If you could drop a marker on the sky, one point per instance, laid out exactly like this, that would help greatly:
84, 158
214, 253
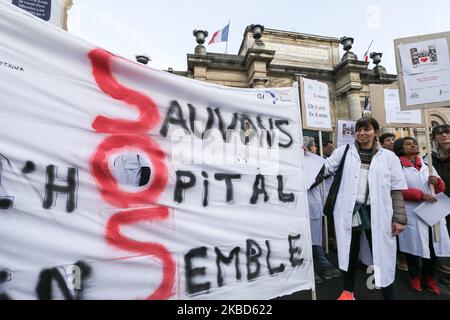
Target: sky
163, 29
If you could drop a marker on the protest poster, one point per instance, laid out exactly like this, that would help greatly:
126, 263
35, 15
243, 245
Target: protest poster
346, 132
119, 181
315, 105
386, 108
315, 102
423, 67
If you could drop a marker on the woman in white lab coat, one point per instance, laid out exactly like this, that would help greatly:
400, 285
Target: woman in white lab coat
418, 241
324, 268
370, 203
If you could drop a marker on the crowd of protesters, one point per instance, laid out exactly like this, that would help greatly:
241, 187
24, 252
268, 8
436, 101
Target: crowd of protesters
370, 190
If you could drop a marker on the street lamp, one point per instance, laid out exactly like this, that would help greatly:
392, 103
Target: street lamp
347, 43
143, 58
257, 30
200, 37
376, 57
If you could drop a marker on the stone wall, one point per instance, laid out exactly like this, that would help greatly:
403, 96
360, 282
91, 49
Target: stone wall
283, 57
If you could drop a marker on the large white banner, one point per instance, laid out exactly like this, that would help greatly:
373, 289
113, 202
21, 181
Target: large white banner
123, 182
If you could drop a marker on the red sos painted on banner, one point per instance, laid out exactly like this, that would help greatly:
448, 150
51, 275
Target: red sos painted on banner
125, 134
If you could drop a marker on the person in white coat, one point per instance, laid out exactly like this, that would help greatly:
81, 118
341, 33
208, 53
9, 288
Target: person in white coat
369, 202
131, 170
418, 241
325, 270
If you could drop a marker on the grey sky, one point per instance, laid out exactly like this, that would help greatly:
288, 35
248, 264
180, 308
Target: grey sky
163, 29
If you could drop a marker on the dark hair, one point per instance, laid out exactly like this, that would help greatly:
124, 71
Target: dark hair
327, 142
384, 136
367, 122
440, 128
398, 146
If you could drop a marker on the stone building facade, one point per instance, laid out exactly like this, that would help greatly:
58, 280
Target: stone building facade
280, 58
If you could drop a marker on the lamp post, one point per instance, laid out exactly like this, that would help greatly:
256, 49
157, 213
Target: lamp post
257, 30
376, 58
347, 44
143, 58
200, 37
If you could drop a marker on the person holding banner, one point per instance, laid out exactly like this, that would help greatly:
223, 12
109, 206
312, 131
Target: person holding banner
315, 203
441, 162
369, 205
417, 239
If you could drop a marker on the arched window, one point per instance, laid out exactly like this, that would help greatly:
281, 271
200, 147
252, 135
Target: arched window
434, 124
436, 120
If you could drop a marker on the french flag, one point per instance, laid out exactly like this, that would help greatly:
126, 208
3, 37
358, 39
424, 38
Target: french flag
366, 57
220, 36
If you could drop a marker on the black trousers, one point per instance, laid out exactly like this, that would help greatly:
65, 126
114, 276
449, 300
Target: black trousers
448, 223
389, 293
427, 269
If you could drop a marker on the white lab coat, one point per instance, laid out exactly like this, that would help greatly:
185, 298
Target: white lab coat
327, 185
414, 239
385, 174
128, 169
315, 203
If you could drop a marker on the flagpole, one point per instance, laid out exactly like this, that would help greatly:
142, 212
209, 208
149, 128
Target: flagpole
370, 46
226, 47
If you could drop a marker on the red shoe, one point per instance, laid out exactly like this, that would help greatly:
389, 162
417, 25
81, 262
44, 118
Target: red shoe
414, 283
432, 285
347, 296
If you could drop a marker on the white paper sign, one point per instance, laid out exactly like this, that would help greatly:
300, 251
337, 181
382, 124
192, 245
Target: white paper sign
313, 165
427, 87
317, 104
433, 213
426, 56
394, 114
203, 225
346, 132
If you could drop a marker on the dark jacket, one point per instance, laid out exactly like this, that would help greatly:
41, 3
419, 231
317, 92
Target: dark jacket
442, 167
